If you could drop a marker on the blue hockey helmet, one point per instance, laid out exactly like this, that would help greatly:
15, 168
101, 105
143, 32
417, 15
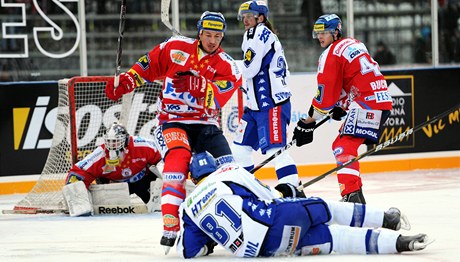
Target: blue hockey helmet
255, 7
214, 21
327, 23
202, 165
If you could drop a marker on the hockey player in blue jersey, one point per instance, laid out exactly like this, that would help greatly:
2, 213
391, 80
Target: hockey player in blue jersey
230, 207
267, 111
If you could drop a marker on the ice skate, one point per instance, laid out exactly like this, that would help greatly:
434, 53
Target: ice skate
412, 243
393, 219
354, 197
167, 240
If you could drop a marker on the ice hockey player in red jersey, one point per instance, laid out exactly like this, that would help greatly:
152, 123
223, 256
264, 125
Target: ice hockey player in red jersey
121, 158
199, 79
349, 84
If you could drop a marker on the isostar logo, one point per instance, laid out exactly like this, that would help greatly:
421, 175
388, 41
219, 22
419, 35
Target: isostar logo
29, 123
30, 134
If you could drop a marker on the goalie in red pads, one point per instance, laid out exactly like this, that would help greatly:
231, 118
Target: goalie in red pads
199, 79
122, 158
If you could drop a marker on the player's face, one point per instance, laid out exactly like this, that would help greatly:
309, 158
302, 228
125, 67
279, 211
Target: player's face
325, 38
249, 20
210, 40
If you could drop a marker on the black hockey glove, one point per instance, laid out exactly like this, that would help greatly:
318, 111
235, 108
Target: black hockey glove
338, 113
289, 190
210, 245
303, 133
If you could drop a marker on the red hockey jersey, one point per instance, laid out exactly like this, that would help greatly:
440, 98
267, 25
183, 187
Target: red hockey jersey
349, 77
139, 155
183, 54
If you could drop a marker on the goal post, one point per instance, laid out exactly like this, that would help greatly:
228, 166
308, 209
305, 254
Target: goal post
83, 114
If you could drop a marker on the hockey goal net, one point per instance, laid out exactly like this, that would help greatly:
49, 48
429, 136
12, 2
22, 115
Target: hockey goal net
83, 114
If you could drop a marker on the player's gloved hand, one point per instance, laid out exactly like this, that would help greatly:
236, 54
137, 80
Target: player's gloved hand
190, 82
289, 190
210, 245
126, 84
338, 113
303, 133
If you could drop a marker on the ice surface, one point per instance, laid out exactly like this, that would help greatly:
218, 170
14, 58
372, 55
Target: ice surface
430, 199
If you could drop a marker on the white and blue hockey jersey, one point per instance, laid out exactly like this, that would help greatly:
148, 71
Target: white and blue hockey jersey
221, 208
265, 69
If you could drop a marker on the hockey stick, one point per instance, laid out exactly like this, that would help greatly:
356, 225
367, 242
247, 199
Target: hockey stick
127, 98
380, 147
121, 30
286, 147
34, 211
165, 4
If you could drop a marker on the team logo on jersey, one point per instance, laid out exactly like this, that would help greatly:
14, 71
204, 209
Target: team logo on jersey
126, 172
144, 62
179, 57
248, 57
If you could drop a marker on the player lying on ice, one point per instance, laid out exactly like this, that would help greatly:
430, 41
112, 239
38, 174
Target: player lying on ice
230, 207
126, 164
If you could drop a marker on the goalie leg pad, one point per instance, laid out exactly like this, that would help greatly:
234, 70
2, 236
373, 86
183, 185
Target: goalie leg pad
110, 194
78, 199
154, 203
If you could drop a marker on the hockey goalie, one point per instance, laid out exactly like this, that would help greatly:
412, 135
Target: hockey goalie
124, 167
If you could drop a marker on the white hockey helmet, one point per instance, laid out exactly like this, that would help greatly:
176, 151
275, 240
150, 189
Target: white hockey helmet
116, 138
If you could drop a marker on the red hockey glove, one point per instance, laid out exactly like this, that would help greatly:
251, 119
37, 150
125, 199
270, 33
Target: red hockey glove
303, 133
126, 84
189, 82
338, 113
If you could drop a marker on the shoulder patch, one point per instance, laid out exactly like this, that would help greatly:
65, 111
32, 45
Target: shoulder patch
248, 57
144, 62
319, 94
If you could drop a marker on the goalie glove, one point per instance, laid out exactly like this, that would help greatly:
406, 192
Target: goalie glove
337, 113
191, 82
303, 132
126, 84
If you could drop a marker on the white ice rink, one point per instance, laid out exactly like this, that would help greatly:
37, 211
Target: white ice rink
430, 199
